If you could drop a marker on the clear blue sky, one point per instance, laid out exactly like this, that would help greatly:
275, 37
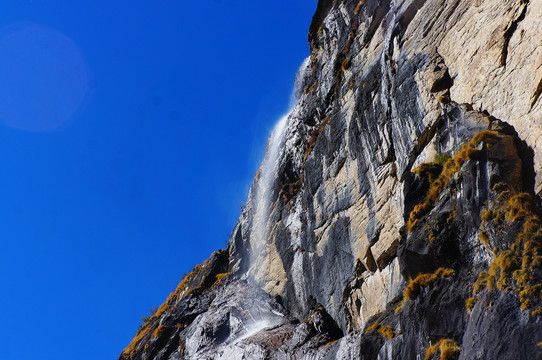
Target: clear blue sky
129, 135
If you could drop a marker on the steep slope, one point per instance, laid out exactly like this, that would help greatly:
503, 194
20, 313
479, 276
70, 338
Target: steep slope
396, 214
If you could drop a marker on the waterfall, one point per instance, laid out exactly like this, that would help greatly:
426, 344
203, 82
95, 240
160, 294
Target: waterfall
264, 194
268, 174
269, 171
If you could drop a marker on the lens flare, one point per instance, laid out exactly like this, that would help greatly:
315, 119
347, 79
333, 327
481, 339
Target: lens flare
43, 78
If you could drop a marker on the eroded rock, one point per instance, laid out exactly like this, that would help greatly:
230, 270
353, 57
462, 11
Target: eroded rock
415, 120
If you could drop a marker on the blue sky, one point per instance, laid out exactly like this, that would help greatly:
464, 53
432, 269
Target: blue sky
129, 135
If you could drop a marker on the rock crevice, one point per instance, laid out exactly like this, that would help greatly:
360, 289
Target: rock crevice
403, 221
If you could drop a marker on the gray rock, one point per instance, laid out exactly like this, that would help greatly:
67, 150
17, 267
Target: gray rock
354, 212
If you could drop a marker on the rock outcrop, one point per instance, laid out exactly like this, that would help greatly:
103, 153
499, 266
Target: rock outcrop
402, 216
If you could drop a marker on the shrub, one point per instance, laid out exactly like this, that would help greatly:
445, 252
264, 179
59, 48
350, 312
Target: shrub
487, 215
447, 348
469, 304
385, 331
430, 170
220, 277
449, 168
183, 289
483, 237
415, 286
441, 159
518, 268
158, 331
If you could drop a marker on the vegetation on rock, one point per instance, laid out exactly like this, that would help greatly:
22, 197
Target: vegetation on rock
385, 331
518, 268
447, 349
422, 281
450, 167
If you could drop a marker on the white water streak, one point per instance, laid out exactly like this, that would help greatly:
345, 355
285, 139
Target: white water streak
269, 171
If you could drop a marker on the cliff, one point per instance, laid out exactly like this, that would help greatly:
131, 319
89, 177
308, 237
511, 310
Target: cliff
397, 212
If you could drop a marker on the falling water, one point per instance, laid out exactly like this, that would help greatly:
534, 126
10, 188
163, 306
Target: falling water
264, 195
269, 171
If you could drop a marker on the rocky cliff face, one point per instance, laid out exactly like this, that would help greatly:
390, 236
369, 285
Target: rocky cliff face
397, 213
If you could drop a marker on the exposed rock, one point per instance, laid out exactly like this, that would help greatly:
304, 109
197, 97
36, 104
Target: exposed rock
403, 213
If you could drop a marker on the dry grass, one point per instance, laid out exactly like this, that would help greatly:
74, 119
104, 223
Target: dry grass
483, 237
447, 348
358, 7
430, 170
135, 343
449, 168
517, 269
415, 286
469, 304
158, 331
375, 326
422, 281
311, 89
182, 290
385, 331
220, 277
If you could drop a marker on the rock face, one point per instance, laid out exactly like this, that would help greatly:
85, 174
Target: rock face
402, 216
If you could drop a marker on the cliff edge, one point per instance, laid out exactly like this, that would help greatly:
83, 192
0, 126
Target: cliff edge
397, 212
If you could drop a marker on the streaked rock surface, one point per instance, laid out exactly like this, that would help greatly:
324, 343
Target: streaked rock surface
355, 212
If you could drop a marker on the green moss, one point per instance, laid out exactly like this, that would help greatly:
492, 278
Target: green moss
442, 158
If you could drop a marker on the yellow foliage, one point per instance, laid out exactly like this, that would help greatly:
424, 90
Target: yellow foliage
450, 167
375, 326
517, 268
158, 331
483, 238
386, 332
487, 215
358, 7
448, 350
430, 170
134, 344
431, 351
220, 277
469, 304
182, 290
422, 281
